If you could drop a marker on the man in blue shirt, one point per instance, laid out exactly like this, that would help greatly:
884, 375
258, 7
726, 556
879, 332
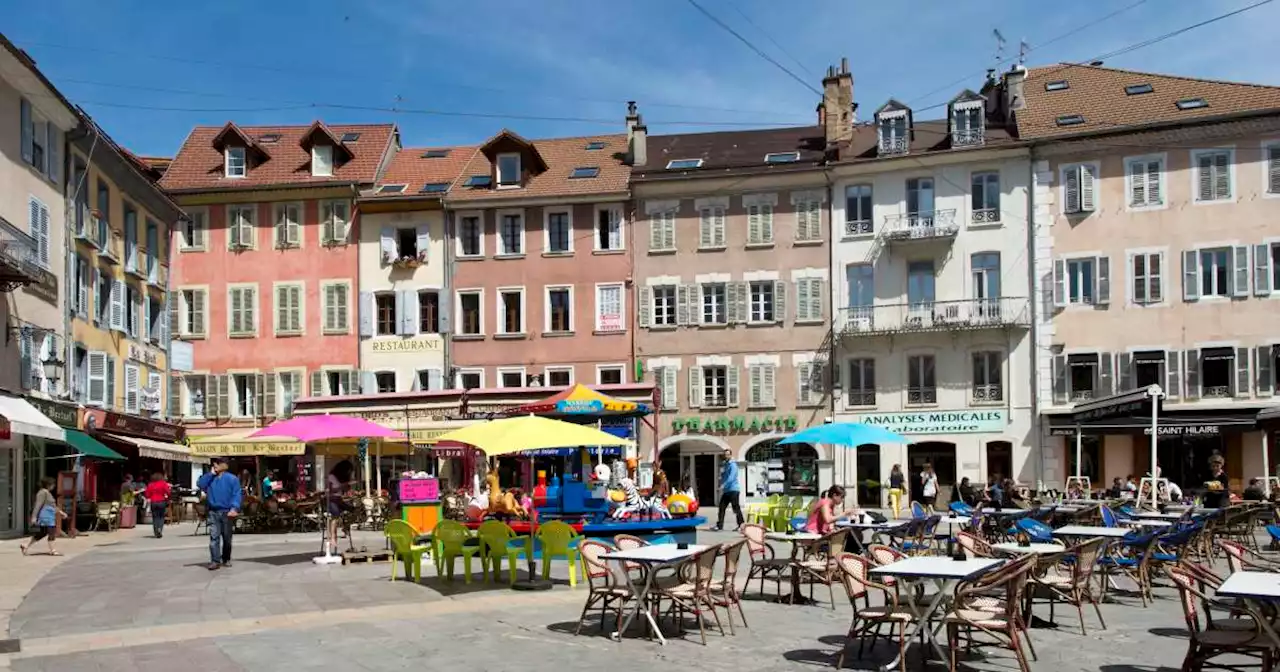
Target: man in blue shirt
222, 496
730, 490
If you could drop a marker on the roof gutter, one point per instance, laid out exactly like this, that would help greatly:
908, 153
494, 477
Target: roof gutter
1157, 126
267, 187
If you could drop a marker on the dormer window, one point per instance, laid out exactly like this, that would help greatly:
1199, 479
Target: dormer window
236, 166
893, 134
508, 170
967, 124
322, 161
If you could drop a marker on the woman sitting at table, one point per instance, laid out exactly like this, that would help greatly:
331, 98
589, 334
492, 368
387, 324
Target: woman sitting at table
964, 493
826, 511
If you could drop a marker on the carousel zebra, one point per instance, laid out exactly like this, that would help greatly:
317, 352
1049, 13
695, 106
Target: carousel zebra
634, 504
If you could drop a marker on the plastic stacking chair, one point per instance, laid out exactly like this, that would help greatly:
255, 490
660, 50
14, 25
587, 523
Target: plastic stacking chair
559, 540
452, 540
918, 511
498, 541
403, 548
759, 512
961, 509
1036, 530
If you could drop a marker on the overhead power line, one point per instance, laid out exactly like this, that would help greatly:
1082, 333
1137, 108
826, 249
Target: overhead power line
759, 52
768, 36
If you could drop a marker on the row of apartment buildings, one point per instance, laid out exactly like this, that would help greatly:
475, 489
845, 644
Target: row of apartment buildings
963, 279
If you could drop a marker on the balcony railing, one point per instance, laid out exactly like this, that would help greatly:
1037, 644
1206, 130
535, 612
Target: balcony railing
159, 276
938, 224
862, 398
1081, 395
986, 215
988, 393
1215, 391
19, 259
922, 395
891, 146
858, 227
112, 250
969, 137
964, 315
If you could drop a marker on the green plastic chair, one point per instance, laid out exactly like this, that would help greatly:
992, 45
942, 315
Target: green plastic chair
402, 536
499, 541
560, 540
760, 511
450, 539
780, 519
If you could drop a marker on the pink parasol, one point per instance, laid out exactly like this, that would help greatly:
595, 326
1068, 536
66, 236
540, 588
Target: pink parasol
310, 428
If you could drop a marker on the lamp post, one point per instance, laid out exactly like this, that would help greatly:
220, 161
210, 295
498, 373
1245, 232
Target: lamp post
52, 369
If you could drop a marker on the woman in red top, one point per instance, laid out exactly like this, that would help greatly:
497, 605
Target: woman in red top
826, 511
157, 495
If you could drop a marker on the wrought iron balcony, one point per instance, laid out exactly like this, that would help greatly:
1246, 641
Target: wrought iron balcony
858, 227
893, 146
1082, 395
969, 137
964, 315
986, 216
19, 259
159, 276
988, 393
920, 226
1215, 391
922, 395
861, 398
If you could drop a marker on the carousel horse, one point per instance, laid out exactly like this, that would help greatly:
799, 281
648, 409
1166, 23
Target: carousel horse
503, 503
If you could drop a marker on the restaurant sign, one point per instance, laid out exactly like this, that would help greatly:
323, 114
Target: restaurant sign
408, 345
133, 426
967, 421
64, 415
145, 355
736, 424
248, 448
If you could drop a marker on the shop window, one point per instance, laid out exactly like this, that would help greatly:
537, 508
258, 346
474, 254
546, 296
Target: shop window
385, 311
1218, 367
1083, 376
1090, 459
386, 381
774, 469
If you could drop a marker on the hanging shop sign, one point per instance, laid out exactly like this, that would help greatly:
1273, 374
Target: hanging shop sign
63, 415
133, 426
144, 355
735, 424
964, 421
408, 345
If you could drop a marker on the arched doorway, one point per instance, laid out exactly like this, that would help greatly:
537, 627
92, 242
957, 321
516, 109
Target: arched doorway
694, 462
1000, 461
789, 469
942, 456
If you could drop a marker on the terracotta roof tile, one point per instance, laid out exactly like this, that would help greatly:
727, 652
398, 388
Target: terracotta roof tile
1098, 94
198, 166
417, 166
561, 155
733, 149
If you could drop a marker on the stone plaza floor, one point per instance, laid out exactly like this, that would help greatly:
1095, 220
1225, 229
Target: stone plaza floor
123, 601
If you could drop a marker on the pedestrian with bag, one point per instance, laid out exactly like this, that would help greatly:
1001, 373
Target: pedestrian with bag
44, 517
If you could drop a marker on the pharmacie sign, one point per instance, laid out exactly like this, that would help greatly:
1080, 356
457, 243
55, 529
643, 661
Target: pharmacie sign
736, 424
938, 422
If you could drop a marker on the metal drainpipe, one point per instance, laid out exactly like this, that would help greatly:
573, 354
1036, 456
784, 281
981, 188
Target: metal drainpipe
446, 339
1038, 441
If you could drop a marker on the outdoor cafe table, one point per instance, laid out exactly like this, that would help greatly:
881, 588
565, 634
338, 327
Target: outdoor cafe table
1254, 587
1090, 531
1014, 548
1148, 522
651, 559
1156, 515
797, 540
945, 573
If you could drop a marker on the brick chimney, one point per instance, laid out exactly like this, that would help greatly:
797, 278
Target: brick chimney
637, 137
835, 112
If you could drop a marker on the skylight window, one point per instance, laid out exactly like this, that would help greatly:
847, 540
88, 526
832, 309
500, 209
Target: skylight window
435, 188
436, 154
595, 145
391, 188
1057, 85
269, 138
684, 164
1192, 103
1070, 120
583, 172
782, 157
350, 137
479, 181
1137, 89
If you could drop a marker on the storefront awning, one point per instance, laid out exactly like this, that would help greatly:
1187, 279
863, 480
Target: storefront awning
158, 450
1169, 424
23, 418
87, 446
240, 445
1269, 415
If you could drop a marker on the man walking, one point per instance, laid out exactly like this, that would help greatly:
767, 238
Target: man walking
730, 491
222, 491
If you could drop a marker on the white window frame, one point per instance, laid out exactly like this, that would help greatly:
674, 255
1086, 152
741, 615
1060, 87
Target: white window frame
1267, 145
703, 295
233, 223
773, 301
503, 370
548, 370
243, 155
501, 242
1129, 255
461, 371
1163, 182
479, 217
322, 165
251, 287
302, 308
1066, 280
324, 307
619, 211
546, 230
300, 372
187, 398
459, 320
498, 175
333, 204
662, 217
1194, 173
277, 242
197, 219
675, 305
185, 309
622, 305
1096, 169
233, 395
499, 307
716, 211
1003, 356
621, 367
1230, 288
546, 309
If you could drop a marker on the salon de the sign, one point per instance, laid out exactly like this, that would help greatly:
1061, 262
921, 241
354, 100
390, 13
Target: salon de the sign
938, 422
735, 424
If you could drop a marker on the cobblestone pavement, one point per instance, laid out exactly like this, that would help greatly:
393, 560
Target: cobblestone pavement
134, 604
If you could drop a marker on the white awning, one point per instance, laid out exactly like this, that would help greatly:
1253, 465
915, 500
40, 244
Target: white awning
160, 450
26, 419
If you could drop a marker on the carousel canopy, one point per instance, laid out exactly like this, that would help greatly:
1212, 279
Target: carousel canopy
581, 401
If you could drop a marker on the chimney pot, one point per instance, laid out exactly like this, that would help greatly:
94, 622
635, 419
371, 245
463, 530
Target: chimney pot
844, 65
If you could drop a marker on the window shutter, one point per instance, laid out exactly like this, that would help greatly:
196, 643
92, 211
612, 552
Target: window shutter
1193, 375
1087, 177
99, 299
717, 231
804, 383
1155, 277
26, 359
1154, 169
695, 387
1262, 270
657, 236
28, 132
366, 313
1240, 280
130, 388
669, 386
317, 384
817, 292
1138, 269
1138, 183
326, 223
82, 288
145, 327
342, 222
368, 383
738, 296
53, 150
282, 309
1060, 379
237, 310
1221, 175
1104, 280
755, 385
803, 302
768, 385
1105, 376
41, 233
445, 314
731, 378
97, 379
645, 306
248, 236
1265, 375
1072, 190
175, 409
682, 304
669, 231
754, 234
1273, 169
1242, 388
424, 243
435, 379
282, 225
409, 317
1173, 374
294, 230
390, 251
705, 225
1124, 372
270, 407
1204, 182
117, 305
224, 396
779, 300
1059, 283
1190, 276
815, 220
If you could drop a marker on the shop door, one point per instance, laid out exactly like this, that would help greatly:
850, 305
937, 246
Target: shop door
706, 472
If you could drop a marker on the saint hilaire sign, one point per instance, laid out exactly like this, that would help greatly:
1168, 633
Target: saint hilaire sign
735, 424
967, 421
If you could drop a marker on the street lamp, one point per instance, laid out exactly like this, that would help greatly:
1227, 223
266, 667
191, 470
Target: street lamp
52, 369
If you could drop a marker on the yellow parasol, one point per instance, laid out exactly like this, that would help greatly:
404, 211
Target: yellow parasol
529, 432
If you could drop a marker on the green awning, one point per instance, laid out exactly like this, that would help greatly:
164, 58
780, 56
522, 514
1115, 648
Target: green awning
91, 447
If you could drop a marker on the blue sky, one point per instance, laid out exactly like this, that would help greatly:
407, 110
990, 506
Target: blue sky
150, 71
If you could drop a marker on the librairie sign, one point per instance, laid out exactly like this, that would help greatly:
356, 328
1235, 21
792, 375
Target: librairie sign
964, 421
